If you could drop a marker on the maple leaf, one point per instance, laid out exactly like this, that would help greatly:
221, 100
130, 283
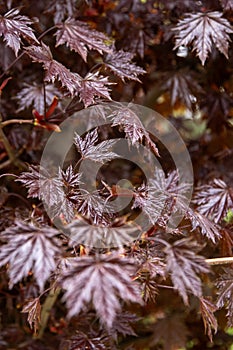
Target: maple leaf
70, 179
135, 132
65, 209
122, 324
93, 85
81, 38
14, 26
92, 206
60, 8
147, 276
120, 63
136, 39
33, 308
29, 248
225, 293
33, 95
42, 185
214, 200
207, 228
151, 263
207, 312
227, 5
182, 87
54, 69
216, 108
172, 331
93, 235
102, 279
160, 194
97, 153
184, 264
203, 29
86, 341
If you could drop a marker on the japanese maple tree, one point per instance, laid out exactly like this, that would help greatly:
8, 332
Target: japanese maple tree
72, 276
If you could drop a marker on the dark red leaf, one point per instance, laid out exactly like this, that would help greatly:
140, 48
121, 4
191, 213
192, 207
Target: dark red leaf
207, 313
120, 63
33, 308
29, 248
214, 200
103, 279
202, 30
184, 265
81, 38
14, 26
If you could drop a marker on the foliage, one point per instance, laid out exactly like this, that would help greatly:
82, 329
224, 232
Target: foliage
76, 274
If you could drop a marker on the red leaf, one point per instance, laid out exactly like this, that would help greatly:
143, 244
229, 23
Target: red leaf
42, 121
4, 84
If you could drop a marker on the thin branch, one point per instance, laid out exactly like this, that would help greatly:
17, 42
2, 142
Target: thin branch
10, 152
44, 97
12, 64
9, 149
220, 261
5, 164
23, 53
16, 121
46, 310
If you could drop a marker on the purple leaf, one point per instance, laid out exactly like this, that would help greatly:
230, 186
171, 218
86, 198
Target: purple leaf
33, 308
92, 86
202, 29
214, 200
14, 26
29, 248
135, 132
207, 313
97, 153
104, 280
54, 69
207, 228
225, 293
33, 95
120, 63
81, 38
227, 5
42, 185
60, 9
184, 265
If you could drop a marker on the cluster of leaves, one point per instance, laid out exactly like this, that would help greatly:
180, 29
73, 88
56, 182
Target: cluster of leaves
84, 275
